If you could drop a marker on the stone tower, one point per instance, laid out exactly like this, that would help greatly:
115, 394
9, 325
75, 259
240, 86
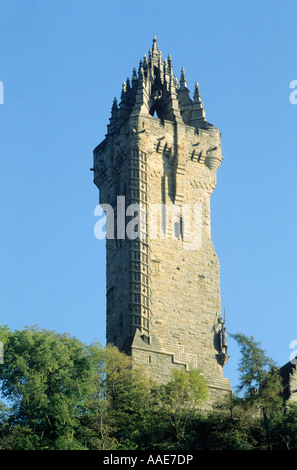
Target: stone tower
156, 170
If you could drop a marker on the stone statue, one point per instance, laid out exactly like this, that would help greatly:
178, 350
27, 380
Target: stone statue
223, 340
223, 336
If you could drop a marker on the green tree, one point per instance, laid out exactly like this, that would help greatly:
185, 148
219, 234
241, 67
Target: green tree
180, 400
45, 378
230, 425
283, 429
114, 412
128, 393
260, 380
97, 429
62, 394
67, 395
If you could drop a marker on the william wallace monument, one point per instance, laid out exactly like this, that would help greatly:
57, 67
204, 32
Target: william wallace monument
156, 170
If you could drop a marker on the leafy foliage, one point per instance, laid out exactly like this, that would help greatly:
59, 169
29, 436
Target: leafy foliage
260, 380
62, 394
179, 399
45, 377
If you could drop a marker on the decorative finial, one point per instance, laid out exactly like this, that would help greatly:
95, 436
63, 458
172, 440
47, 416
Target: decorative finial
155, 44
165, 66
183, 81
169, 64
128, 86
145, 63
134, 76
197, 97
114, 110
124, 89
114, 105
140, 66
141, 75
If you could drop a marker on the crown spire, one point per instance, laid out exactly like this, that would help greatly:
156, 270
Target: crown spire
153, 88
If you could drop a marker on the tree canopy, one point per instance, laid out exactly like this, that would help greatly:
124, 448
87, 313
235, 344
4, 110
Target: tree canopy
61, 394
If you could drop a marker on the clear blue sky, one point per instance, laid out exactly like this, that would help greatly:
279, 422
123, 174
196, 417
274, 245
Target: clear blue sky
62, 63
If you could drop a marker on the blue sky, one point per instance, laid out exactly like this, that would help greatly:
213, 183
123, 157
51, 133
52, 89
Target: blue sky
62, 63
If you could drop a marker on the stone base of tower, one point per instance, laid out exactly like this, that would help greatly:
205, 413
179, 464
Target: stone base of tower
218, 388
158, 362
